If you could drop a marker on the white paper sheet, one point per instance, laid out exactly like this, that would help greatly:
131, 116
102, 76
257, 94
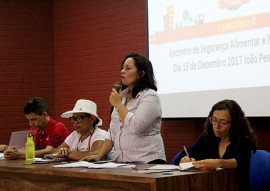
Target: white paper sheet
92, 165
185, 166
2, 156
163, 167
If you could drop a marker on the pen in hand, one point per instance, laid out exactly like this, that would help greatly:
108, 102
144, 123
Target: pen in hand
186, 151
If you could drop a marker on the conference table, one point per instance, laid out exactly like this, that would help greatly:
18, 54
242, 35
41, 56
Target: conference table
15, 175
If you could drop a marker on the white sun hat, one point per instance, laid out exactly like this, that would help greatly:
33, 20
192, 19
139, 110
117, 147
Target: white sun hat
83, 106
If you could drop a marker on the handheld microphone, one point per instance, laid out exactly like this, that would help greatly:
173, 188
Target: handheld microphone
117, 86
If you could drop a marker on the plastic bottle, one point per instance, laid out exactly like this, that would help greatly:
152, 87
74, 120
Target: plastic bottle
29, 149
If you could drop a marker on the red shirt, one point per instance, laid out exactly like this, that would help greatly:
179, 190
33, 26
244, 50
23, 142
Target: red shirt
54, 135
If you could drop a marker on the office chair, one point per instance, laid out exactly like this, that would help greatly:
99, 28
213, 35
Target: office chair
260, 171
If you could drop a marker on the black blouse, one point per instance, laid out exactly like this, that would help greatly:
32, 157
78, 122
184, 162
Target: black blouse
242, 153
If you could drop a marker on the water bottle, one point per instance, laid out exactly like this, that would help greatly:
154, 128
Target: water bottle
29, 149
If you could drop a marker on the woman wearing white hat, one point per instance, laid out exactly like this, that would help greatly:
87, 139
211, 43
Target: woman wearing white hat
87, 137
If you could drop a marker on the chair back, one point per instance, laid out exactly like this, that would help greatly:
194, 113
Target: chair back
260, 171
176, 157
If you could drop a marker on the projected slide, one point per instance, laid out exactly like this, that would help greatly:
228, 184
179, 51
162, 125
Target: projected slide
205, 45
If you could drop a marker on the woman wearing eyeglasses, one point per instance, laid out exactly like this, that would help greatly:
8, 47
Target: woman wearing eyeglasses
226, 142
87, 138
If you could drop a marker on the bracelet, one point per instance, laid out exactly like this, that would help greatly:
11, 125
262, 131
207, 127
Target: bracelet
119, 107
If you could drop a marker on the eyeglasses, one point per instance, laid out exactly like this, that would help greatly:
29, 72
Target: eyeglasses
77, 119
221, 123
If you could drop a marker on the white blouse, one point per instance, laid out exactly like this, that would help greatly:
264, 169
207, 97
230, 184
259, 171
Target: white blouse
74, 143
138, 139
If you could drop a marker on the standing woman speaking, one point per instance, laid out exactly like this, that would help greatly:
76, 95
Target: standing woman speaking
136, 119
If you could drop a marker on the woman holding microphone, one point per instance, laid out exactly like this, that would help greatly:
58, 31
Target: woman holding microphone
136, 119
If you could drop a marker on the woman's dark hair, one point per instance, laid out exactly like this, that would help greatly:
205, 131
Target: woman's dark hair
95, 122
36, 105
240, 126
147, 81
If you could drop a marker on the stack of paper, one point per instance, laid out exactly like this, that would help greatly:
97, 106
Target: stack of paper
163, 167
93, 165
182, 166
159, 169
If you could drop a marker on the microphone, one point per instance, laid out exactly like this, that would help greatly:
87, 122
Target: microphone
117, 86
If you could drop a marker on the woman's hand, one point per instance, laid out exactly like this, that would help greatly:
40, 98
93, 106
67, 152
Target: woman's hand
55, 157
115, 98
208, 164
186, 159
91, 158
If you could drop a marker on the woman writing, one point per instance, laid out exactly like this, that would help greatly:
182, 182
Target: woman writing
226, 142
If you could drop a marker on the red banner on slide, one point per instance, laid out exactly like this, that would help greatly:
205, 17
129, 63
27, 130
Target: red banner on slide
214, 28
231, 4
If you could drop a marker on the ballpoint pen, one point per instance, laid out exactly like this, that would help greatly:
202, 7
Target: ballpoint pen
186, 151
